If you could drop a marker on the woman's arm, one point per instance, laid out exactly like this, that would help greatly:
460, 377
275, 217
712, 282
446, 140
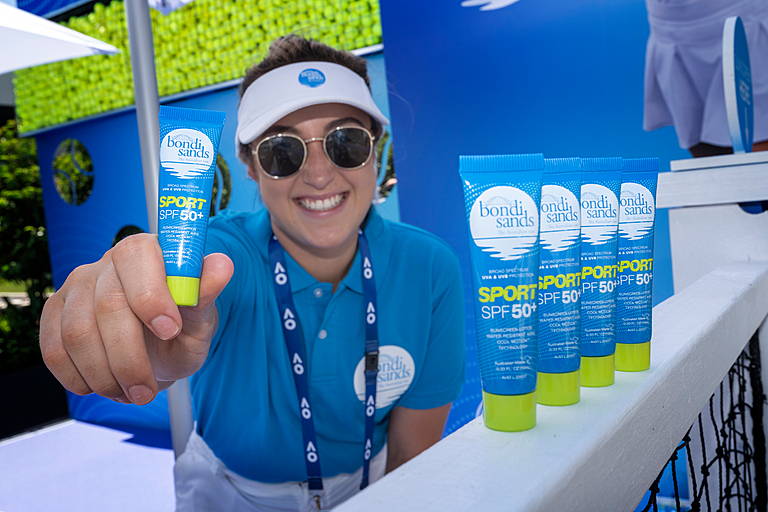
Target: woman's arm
411, 431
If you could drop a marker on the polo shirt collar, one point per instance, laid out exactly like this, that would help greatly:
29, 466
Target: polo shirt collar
378, 240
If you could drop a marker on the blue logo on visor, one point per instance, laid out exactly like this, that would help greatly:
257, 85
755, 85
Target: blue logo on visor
311, 77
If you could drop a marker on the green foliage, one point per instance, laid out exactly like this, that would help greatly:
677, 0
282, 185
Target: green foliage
23, 247
203, 43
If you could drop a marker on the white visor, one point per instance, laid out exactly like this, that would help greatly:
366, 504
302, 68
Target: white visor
292, 87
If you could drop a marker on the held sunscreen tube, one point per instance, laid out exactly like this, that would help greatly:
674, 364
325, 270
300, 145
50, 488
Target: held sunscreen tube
501, 197
637, 213
189, 142
559, 283
600, 187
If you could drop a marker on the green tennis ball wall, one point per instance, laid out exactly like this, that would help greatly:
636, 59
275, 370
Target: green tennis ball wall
203, 43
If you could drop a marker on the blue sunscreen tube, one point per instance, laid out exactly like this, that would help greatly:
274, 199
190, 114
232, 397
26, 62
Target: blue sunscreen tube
600, 187
501, 197
189, 143
637, 214
559, 283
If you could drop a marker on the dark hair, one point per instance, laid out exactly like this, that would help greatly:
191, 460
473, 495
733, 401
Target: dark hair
291, 49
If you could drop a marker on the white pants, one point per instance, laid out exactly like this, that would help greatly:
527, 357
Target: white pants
204, 484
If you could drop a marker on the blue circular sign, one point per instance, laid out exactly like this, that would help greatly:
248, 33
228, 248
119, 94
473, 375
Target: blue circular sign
312, 77
737, 85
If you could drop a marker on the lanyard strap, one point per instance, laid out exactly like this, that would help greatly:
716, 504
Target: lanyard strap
294, 340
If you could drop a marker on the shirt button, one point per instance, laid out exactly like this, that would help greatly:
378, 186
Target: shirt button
322, 334
318, 293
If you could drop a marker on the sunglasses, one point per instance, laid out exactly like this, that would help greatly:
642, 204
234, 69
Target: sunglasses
283, 155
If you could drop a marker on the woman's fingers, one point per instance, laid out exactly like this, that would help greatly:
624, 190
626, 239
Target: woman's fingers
138, 262
122, 339
183, 355
54, 354
81, 339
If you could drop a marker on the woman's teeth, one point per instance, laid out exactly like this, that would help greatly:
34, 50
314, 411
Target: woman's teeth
321, 205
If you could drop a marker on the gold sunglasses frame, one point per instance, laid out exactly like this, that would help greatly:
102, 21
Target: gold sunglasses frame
306, 142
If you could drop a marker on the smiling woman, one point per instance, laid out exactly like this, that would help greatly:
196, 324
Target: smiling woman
327, 345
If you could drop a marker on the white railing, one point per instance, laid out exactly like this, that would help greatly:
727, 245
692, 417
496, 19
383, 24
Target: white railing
603, 453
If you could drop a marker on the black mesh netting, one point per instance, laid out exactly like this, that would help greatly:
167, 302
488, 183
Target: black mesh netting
720, 463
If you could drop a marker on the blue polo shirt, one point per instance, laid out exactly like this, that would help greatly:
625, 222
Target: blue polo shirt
244, 397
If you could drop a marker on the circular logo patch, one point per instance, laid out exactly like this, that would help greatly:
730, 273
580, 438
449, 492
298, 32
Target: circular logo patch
396, 371
311, 77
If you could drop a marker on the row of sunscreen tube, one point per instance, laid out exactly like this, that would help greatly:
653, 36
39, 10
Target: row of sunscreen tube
562, 251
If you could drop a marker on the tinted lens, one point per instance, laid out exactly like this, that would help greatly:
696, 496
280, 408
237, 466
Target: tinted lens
348, 147
281, 156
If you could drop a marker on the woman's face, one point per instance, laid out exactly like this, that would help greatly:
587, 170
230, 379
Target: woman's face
320, 207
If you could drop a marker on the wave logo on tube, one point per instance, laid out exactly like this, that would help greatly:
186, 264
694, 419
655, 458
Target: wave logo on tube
637, 211
504, 222
186, 154
560, 222
488, 5
599, 214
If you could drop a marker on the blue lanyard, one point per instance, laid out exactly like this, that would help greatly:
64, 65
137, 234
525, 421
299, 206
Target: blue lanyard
294, 340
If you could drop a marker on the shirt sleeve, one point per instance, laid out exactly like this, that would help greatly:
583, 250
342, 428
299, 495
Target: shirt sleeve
442, 374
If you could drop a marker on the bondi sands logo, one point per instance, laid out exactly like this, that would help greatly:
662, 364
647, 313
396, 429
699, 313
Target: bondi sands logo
504, 222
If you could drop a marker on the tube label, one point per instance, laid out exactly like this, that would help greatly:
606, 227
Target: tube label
635, 264
599, 226
188, 147
504, 226
559, 274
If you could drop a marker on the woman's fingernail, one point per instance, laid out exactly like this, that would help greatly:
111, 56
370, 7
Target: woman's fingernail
140, 394
165, 327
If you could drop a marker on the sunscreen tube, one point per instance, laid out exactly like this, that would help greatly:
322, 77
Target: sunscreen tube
189, 142
501, 197
601, 184
559, 283
637, 213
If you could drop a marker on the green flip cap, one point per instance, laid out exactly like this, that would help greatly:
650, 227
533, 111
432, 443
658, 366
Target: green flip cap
184, 290
597, 372
509, 413
558, 388
633, 357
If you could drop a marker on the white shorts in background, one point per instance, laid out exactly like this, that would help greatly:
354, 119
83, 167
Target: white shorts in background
683, 67
204, 484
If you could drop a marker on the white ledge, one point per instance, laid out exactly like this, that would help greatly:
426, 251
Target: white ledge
603, 453
716, 180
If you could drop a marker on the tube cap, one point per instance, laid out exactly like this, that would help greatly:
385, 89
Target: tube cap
597, 372
184, 290
509, 413
558, 388
633, 357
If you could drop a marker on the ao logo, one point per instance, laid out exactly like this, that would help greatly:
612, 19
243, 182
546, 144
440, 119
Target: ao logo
488, 5
396, 372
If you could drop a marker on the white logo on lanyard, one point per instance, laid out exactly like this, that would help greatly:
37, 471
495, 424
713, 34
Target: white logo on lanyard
280, 276
289, 319
367, 269
371, 316
311, 452
298, 364
306, 412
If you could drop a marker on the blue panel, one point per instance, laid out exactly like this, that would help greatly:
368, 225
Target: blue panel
559, 77
45, 7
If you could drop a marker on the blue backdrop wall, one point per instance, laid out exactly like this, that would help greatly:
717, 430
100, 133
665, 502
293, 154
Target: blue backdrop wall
559, 77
